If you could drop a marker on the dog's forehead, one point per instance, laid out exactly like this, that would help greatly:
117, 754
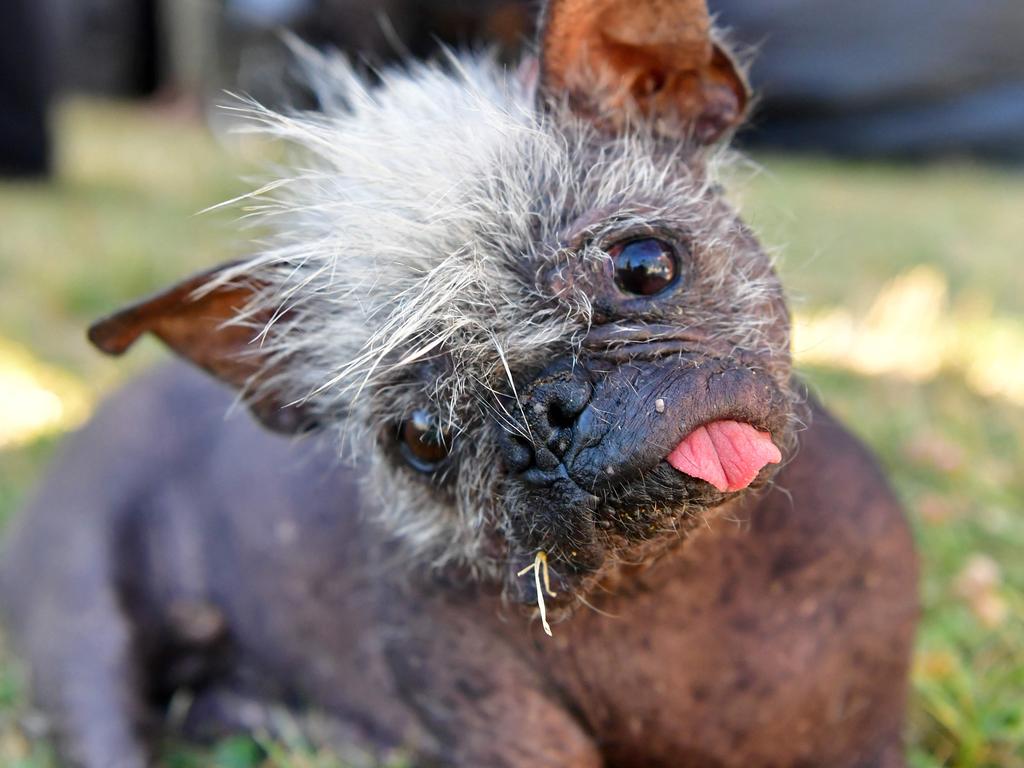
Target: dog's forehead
433, 163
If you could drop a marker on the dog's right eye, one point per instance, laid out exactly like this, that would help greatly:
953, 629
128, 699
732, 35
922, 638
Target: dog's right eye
422, 442
644, 267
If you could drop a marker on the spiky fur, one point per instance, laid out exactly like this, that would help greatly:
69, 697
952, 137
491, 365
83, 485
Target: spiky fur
404, 260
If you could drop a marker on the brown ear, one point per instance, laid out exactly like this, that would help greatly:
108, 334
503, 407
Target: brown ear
199, 319
652, 58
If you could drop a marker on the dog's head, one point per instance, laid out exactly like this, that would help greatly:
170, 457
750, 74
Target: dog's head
518, 296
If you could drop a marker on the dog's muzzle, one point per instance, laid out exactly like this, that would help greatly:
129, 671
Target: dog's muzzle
588, 449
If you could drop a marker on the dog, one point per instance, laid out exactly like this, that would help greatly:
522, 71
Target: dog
529, 480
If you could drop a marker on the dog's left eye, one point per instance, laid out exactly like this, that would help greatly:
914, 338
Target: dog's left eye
422, 443
644, 267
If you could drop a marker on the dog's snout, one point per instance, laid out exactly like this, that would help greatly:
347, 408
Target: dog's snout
552, 405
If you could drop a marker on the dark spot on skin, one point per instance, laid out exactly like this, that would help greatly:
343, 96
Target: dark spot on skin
473, 690
745, 623
839, 612
727, 594
744, 681
737, 738
789, 560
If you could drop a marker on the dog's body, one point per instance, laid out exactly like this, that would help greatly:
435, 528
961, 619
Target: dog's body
778, 635
546, 338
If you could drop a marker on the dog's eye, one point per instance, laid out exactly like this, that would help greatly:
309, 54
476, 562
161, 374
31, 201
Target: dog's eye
422, 442
644, 267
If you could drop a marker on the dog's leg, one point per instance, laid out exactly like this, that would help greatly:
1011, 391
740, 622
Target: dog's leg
66, 610
84, 669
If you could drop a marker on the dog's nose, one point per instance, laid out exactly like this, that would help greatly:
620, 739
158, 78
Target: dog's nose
552, 406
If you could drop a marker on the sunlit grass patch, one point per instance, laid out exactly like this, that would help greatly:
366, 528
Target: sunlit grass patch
36, 399
912, 330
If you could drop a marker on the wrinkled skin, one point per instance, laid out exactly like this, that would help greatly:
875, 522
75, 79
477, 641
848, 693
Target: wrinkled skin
177, 553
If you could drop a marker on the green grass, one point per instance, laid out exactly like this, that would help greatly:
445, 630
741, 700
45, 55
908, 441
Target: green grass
119, 222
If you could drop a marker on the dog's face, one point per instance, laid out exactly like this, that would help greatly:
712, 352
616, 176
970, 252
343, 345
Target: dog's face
519, 297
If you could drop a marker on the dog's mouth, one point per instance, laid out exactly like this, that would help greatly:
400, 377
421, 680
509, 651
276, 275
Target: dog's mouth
711, 464
640, 456
575, 518
725, 453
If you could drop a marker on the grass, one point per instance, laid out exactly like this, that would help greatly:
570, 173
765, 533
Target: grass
926, 364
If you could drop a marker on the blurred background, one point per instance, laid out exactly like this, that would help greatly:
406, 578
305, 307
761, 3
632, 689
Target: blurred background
887, 148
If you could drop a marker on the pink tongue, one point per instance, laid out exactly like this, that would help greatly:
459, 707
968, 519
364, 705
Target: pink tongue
727, 454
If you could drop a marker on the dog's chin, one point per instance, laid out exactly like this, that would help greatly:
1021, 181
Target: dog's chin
631, 525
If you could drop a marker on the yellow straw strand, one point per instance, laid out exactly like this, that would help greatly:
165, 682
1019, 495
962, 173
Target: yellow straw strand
540, 563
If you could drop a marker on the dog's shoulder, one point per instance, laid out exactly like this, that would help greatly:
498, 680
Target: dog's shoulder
833, 502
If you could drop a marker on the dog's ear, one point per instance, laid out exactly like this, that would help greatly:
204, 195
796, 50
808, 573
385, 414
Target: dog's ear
208, 320
656, 60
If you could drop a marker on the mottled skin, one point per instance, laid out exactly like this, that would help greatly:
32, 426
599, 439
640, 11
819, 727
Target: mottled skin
185, 550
